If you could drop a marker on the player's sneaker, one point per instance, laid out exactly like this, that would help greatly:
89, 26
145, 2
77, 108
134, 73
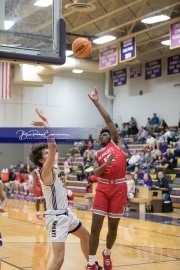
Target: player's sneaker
92, 267
99, 267
107, 263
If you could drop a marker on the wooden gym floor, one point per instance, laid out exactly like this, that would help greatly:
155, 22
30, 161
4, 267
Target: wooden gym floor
144, 242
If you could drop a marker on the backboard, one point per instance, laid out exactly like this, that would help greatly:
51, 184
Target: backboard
30, 32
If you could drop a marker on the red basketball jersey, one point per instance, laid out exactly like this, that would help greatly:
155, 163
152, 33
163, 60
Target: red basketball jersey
117, 169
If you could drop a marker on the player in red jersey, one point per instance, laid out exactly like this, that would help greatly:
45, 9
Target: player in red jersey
111, 192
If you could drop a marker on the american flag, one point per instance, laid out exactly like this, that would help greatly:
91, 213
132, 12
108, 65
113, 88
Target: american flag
5, 80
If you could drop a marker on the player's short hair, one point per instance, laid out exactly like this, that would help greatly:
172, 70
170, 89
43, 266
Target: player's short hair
105, 130
36, 153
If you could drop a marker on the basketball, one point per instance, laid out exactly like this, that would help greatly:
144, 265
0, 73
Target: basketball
81, 47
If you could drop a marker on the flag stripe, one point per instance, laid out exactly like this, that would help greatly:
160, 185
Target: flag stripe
5, 80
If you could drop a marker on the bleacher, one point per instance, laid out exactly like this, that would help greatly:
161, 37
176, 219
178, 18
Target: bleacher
72, 183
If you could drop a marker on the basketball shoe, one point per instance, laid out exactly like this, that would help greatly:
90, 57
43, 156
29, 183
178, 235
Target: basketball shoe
107, 263
92, 267
99, 267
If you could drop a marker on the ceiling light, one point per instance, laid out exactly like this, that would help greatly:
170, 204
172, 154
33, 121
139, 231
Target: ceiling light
166, 42
77, 71
8, 24
104, 39
43, 3
155, 19
69, 52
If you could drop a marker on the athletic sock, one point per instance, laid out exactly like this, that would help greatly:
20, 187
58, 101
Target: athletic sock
92, 259
107, 251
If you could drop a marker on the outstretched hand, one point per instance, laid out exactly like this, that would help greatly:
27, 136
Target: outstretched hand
94, 95
41, 115
43, 123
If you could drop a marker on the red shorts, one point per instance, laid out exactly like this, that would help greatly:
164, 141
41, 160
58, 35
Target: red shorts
38, 193
110, 199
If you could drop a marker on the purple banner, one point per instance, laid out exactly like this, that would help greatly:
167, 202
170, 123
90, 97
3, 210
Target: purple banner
135, 71
173, 64
175, 35
153, 69
119, 77
127, 49
39, 134
108, 57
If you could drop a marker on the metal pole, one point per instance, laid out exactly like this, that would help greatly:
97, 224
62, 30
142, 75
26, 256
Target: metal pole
56, 15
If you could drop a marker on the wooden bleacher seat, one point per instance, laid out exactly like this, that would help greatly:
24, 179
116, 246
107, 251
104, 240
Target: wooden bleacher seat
140, 202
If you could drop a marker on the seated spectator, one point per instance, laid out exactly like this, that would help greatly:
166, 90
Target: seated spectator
163, 147
141, 173
171, 159
137, 180
167, 136
150, 142
142, 159
177, 149
133, 121
149, 161
175, 134
90, 145
83, 148
90, 142
133, 161
8, 186
20, 166
130, 188
67, 168
96, 146
72, 156
154, 123
124, 130
147, 180
133, 130
136, 170
87, 168
88, 157
163, 165
142, 135
159, 139
163, 125
163, 184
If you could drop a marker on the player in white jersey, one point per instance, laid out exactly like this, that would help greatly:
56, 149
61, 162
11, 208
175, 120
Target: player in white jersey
59, 219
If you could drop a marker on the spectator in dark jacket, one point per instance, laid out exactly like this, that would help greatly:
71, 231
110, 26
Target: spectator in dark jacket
163, 184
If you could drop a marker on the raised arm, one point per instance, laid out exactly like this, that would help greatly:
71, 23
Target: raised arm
49, 160
110, 124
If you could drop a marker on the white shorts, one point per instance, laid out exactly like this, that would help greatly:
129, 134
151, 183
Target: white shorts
59, 226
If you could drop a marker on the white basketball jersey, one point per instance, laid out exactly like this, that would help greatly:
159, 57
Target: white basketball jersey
55, 194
